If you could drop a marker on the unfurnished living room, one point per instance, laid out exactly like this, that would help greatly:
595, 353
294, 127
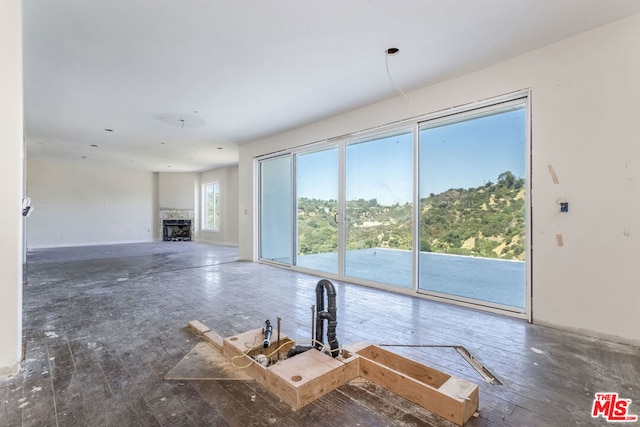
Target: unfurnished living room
362, 213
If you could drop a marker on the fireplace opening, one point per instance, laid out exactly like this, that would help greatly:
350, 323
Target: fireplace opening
176, 230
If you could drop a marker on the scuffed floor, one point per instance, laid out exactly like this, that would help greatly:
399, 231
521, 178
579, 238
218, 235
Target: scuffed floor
103, 325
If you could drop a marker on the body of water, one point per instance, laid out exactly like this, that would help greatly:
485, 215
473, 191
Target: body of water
484, 279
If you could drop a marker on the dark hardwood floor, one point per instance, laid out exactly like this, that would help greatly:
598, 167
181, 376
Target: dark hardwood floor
102, 325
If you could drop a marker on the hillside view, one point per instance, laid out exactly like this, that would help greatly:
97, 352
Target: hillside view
486, 221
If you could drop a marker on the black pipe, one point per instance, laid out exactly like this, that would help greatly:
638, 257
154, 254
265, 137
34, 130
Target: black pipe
267, 334
330, 315
298, 349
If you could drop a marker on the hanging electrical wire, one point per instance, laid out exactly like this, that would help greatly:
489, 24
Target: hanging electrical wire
390, 52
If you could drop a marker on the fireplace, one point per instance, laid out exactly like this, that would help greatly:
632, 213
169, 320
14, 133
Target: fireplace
176, 230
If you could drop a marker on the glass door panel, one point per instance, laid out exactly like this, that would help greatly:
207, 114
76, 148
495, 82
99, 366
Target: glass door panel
275, 210
378, 223
317, 210
472, 207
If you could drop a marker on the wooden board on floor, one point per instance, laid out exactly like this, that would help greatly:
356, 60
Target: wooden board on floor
198, 327
450, 397
204, 362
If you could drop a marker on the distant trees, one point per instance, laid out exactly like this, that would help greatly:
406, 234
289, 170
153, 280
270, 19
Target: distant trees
317, 230
486, 221
507, 179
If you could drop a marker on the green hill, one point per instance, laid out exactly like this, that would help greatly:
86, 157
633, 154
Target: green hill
486, 221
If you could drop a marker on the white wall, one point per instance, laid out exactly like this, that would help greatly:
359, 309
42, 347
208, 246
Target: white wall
228, 233
177, 190
585, 124
11, 123
78, 205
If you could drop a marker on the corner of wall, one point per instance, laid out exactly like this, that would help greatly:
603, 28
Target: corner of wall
11, 191
10, 370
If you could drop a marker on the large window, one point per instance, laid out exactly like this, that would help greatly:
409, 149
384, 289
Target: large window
211, 206
436, 206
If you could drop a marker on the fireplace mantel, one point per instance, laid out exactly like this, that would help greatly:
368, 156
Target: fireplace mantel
176, 214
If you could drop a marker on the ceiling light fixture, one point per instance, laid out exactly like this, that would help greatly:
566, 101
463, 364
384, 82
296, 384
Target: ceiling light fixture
392, 51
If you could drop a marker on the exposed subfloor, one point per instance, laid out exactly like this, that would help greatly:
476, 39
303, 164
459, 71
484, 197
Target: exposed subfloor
102, 325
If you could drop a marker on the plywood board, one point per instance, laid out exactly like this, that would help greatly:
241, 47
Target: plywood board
214, 339
204, 362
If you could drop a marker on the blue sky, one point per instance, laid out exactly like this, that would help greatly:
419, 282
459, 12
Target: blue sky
459, 155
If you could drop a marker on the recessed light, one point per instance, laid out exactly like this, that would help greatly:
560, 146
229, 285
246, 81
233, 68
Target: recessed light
84, 157
94, 145
168, 166
162, 143
108, 130
219, 148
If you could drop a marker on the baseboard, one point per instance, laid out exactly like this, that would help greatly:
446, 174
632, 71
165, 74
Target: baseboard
213, 242
589, 333
85, 244
8, 371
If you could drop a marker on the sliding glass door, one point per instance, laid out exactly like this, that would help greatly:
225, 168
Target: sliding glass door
317, 210
435, 207
378, 218
472, 207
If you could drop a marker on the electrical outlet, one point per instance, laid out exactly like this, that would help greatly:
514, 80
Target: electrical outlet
564, 206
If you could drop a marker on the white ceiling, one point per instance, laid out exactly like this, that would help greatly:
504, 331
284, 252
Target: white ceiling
183, 82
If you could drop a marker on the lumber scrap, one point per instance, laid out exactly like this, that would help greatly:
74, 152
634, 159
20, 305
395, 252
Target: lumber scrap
198, 327
450, 397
